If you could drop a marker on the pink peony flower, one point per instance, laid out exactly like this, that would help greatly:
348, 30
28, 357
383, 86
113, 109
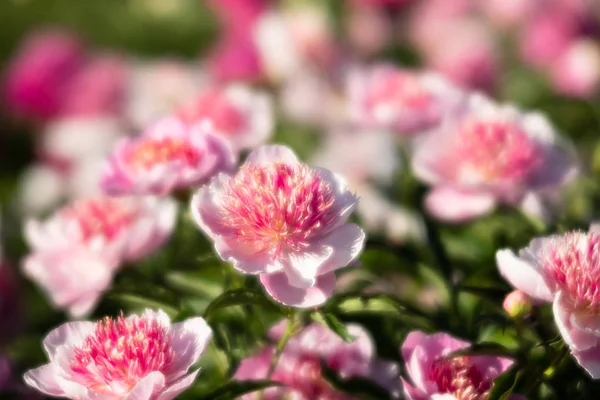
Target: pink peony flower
235, 58
138, 357
403, 101
169, 155
98, 88
76, 251
283, 220
485, 154
299, 366
547, 36
37, 77
435, 376
577, 70
563, 269
243, 116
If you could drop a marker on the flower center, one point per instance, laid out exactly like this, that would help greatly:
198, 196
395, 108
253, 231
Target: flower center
496, 150
573, 262
214, 106
278, 207
102, 216
400, 89
148, 153
460, 377
119, 353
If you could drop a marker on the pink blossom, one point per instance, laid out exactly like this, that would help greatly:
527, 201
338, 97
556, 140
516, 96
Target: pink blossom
243, 116
38, 76
404, 101
563, 269
98, 88
299, 366
435, 376
76, 251
159, 88
547, 36
235, 58
508, 13
577, 70
368, 27
137, 357
283, 220
169, 155
485, 154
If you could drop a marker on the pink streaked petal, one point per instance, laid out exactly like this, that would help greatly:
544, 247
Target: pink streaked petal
347, 243
457, 205
522, 275
204, 208
575, 338
491, 366
590, 360
70, 333
272, 154
244, 258
148, 387
302, 269
278, 287
189, 340
411, 392
443, 397
46, 380
586, 322
178, 387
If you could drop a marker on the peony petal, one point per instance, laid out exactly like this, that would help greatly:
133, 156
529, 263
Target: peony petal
149, 386
576, 339
71, 334
44, 379
302, 269
590, 360
178, 387
411, 392
347, 243
456, 205
522, 275
188, 339
278, 287
272, 154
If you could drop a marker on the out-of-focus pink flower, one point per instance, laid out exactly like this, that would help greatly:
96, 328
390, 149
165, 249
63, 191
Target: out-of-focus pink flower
577, 71
235, 58
69, 140
279, 218
508, 13
563, 269
386, 3
243, 116
169, 155
38, 76
546, 36
368, 27
97, 89
158, 89
139, 357
403, 101
75, 252
486, 154
299, 366
238, 15
294, 39
435, 376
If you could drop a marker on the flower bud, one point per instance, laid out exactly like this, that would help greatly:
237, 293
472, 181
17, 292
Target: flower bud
517, 304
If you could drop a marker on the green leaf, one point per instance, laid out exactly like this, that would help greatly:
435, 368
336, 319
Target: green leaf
193, 283
505, 384
331, 321
237, 297
141, 302
235, 389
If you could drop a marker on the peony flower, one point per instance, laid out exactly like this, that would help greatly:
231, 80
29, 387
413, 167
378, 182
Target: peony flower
299, 366
563, 269
485, 154
76, 251
517, 304
280, 219
435, 376
98, 88
577, 70
243, 116
403, 101
169, 155
37, 77
159, 88
138, 357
